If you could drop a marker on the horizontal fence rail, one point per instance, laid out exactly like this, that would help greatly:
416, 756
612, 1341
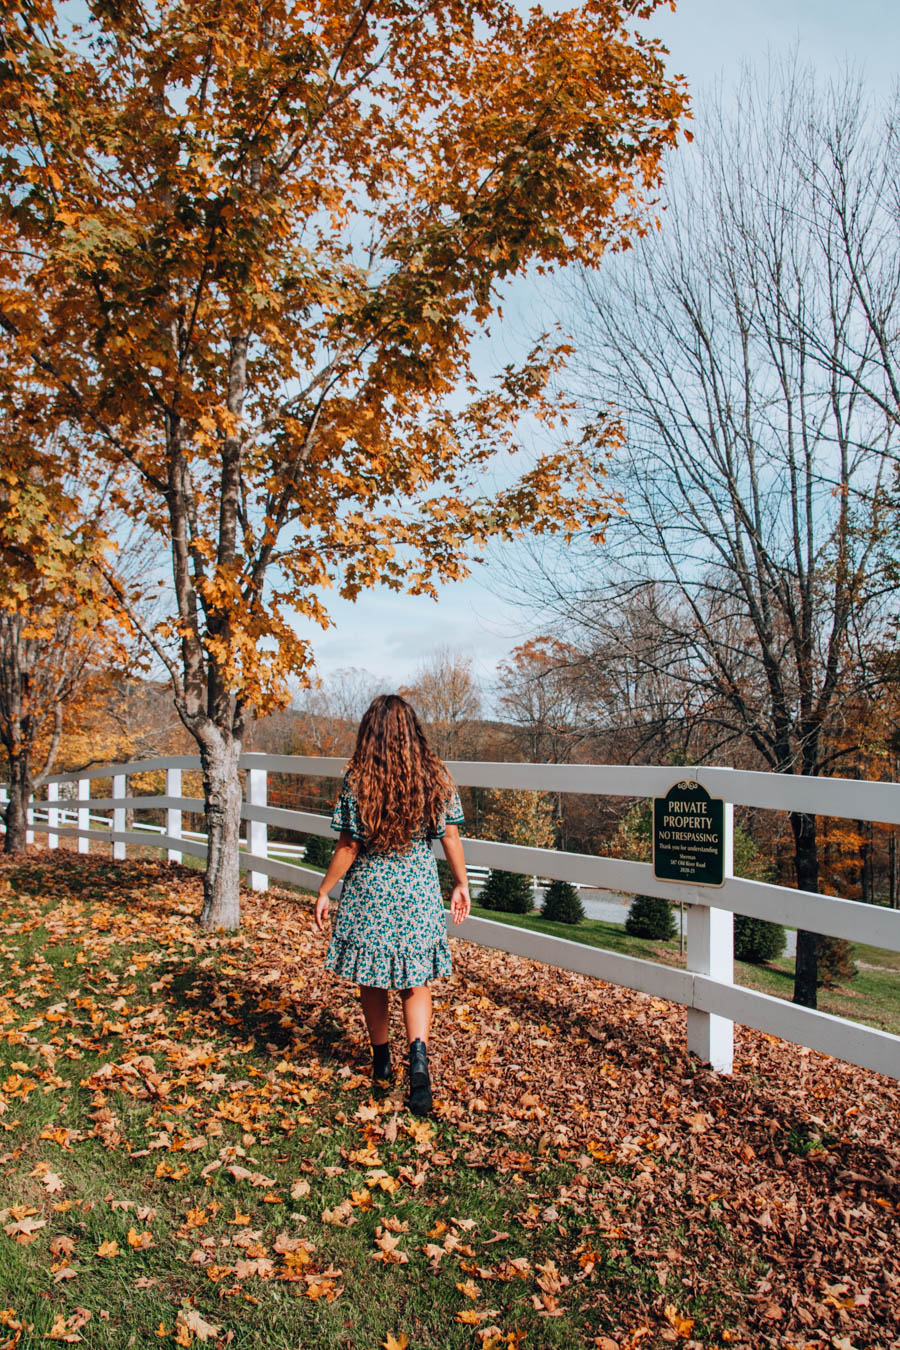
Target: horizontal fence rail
706, 988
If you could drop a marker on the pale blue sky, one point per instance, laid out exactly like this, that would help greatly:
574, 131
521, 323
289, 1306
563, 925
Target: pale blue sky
389, 634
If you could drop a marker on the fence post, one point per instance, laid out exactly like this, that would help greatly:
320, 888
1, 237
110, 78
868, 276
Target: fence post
52, 815
710, 951
173, 813
120, 792
257, 830
29, 820
84, 813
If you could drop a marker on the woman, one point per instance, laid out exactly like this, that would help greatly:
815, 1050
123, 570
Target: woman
390, 931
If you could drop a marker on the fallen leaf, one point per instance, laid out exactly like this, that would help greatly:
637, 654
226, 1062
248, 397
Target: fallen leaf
189, 1320
23, 1230
681, 1325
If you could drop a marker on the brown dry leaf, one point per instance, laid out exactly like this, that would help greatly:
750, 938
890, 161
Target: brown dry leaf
299, 1189
261, 1266
255, 1178
341, 1216
389, 1250
23, 1230
190, 1145
469, 1288
190, 1321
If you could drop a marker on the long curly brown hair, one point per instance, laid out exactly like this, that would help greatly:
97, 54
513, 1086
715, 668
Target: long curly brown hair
399, 782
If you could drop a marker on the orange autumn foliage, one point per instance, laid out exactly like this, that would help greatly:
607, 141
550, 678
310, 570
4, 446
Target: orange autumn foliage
260, 242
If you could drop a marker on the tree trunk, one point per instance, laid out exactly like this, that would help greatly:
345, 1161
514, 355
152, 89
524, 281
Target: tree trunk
806, 861
16, 816
219, 754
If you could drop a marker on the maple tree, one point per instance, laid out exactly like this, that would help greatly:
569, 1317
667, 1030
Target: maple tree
261, 241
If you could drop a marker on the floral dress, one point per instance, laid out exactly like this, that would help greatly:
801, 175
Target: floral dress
391, 927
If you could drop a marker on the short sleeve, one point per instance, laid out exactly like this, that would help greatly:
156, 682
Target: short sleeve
451, 815
346, 815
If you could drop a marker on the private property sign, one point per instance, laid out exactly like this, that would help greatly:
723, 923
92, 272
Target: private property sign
689, 836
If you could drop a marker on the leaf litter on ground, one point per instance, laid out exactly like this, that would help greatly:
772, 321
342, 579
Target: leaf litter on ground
636, 1199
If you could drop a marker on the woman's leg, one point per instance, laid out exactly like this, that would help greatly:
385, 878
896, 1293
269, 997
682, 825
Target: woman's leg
417, 1012
375, 1010
417, 1016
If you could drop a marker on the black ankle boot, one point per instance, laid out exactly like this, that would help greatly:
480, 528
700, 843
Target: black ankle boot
382, 1073
420, 1101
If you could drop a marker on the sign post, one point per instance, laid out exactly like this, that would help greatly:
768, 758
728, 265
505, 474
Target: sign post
693, 844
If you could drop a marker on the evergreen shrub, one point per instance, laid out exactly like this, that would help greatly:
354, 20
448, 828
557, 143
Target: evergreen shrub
507, 893
757, 940
650, 917
562, 903
318, 850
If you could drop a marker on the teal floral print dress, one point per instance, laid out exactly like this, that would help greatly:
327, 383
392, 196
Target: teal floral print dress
391, 926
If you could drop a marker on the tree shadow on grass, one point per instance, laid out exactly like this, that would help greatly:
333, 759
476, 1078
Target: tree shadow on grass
249, 1012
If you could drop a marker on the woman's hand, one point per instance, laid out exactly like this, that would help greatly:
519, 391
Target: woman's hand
321, 910
460, 904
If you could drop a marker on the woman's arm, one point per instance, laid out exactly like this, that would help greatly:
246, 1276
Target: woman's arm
460, 904
344, 854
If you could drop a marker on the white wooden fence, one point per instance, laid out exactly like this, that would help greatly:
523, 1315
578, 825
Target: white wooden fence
706, 988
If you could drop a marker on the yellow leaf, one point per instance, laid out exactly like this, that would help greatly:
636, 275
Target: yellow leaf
682, 1325
396, 1342
108, 1249
61, 1331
